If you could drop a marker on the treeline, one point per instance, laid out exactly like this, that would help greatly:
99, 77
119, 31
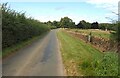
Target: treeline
16, 27
66, 22
63, 23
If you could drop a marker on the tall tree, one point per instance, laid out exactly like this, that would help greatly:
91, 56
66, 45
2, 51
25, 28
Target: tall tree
66, 22
84, 25
49, 23
80, 25
56, 24
95, 25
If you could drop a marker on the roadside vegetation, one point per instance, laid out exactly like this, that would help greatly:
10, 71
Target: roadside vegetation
82, 59
14, 48
17, 28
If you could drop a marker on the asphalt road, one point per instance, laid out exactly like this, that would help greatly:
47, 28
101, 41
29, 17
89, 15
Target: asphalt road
41, 58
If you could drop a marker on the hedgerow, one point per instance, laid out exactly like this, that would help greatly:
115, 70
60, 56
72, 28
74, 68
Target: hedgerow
16, 27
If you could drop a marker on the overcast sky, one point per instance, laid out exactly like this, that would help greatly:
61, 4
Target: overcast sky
89, 10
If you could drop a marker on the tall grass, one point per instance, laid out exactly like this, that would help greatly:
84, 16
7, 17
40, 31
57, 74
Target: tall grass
81, 58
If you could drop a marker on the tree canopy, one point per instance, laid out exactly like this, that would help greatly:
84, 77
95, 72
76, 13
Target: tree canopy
67, 23
95, 25
83, 25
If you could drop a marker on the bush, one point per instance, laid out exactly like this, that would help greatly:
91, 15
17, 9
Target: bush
16, 27
107, 26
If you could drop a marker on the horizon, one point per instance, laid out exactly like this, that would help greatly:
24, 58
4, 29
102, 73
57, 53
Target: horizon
77, 11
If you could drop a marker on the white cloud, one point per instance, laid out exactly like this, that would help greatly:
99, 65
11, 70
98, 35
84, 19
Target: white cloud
111, 5
102, 1
90, 19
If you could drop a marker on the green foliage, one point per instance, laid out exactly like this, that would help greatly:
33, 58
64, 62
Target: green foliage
84, 25
16, 27
95, 25
52, 25
85, 64
118, 33
107, 26
115, 37
78, 51
87, 25
67, 23
108, 65
56, 24
88, 60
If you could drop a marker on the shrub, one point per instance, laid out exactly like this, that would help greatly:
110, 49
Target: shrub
16, 27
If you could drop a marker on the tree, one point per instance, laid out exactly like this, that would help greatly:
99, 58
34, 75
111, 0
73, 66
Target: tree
67, 23
107, 26
49, 23
84, 25
80, 25
94, 25
56, 24
87, 25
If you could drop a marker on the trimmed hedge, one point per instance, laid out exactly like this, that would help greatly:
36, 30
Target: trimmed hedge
16, 27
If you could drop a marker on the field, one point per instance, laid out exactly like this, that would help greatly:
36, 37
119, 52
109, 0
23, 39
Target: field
97, 33
81, 59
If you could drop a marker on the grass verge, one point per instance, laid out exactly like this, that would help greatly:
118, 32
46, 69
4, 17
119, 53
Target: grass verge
81, 59
10, 50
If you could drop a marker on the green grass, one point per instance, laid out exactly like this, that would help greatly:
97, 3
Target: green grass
97, 33
12, 49
80, 58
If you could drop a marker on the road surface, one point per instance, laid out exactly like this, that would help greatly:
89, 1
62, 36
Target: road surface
41, 58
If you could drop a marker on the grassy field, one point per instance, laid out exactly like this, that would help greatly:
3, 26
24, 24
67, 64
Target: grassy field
81, 59
97, 33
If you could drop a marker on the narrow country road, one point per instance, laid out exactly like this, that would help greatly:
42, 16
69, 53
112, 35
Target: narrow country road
41, 58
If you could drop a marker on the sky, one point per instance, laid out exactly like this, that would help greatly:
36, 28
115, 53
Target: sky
77, 10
